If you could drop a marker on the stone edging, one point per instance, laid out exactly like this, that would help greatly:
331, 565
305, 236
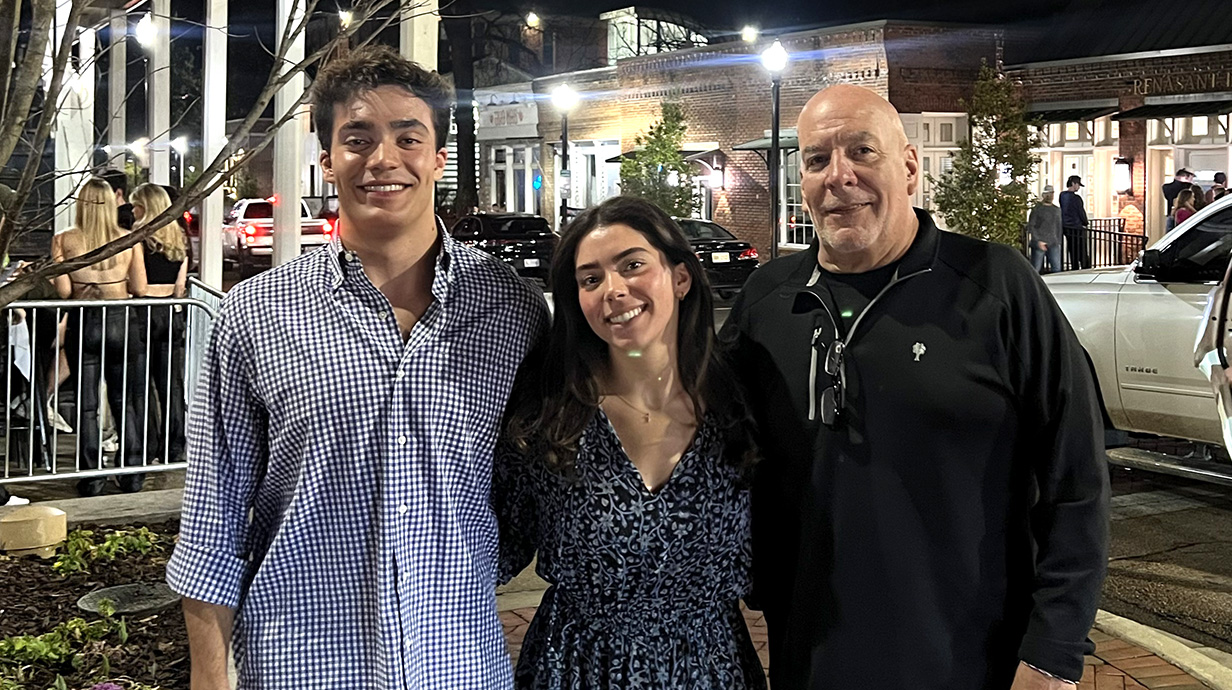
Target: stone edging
1189, 660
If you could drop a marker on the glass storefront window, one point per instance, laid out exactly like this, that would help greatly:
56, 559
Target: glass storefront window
795, 225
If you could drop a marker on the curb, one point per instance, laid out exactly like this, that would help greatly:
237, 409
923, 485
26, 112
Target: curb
1168, 648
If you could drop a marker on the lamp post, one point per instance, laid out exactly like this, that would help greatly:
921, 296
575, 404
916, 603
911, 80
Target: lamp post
564, 99
774, 59
180, 146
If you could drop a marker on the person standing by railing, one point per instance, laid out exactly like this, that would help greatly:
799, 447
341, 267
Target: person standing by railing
97, 336
1044, 229
1185, 207
1074, 224
166, 267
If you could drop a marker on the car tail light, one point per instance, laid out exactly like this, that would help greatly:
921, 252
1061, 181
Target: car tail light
329, 229
187, 217
750, 253
250, 230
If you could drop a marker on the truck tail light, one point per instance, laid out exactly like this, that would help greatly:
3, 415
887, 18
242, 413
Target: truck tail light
250, 229
329, 230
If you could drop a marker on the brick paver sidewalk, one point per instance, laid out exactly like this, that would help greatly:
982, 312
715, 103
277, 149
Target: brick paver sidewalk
1116, 665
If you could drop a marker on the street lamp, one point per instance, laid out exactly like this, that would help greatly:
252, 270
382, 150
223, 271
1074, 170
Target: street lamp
749, 34
564, 99
145, 30
774, 59
180, 146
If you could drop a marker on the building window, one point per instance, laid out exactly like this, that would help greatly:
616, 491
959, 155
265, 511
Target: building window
796, 228
1199, 127
947, 132
1114, 129
927, 133
1071, 131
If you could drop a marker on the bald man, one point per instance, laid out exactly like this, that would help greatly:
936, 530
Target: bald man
931, 510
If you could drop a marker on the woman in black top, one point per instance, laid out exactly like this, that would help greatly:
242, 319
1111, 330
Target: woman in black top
166, 268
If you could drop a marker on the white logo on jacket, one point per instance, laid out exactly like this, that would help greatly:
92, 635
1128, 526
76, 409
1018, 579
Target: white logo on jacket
918, 349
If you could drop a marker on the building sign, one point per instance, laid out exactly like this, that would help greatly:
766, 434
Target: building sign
509, 121
1191, 82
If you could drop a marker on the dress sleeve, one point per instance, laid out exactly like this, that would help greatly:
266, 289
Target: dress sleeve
227, 456
517, 510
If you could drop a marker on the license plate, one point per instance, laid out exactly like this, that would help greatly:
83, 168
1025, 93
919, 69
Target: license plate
720, 257
530, 263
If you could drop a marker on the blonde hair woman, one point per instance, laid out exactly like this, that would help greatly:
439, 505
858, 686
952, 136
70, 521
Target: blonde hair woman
99, 337
166, 266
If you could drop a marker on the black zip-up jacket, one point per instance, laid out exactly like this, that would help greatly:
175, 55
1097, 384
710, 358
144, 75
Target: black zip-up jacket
955, 522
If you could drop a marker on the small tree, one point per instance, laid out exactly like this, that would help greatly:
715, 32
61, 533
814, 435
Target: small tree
657, 171
985, 195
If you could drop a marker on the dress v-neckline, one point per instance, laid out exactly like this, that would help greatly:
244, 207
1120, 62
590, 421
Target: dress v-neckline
627, 461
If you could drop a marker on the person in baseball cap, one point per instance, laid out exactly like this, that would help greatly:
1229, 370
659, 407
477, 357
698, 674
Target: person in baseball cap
1074, 180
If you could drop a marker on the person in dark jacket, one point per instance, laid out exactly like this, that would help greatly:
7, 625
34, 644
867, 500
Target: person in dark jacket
1074, 224
1181, 180
932, 506
1044, 231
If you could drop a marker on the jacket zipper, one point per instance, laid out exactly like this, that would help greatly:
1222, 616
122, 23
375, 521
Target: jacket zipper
813, 376
846, 341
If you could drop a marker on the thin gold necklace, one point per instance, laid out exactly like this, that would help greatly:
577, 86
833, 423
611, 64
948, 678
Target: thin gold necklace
645, 413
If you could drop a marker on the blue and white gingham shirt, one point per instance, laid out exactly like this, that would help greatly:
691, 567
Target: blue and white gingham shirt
369, 559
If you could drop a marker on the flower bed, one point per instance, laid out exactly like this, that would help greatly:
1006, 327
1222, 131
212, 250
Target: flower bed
47, 642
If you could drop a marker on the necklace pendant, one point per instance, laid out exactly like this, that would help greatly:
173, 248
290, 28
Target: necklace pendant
646, 418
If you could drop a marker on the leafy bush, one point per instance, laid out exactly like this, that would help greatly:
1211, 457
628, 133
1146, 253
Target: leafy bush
80, 549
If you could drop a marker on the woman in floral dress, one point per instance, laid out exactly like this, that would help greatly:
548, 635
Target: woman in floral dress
625, 468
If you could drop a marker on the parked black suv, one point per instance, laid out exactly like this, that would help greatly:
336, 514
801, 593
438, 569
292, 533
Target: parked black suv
728, 261
522, 240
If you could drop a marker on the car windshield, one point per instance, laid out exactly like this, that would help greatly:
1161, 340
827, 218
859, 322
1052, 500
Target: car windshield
702, 230
518, 227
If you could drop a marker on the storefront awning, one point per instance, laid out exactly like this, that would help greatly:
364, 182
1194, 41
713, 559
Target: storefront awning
1070, 114
1166, 110
690, 154
763, 144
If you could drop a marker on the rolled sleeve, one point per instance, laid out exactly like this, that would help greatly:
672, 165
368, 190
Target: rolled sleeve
227, 455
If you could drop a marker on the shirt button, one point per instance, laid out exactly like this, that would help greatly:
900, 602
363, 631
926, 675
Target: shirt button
400, 375
402, 440
402, 509
383, 315
350, 256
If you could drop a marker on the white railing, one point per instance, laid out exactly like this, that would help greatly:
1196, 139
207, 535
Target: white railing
76, 371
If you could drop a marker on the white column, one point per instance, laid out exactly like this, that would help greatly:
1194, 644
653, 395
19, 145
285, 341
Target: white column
288, 142
74, 124
419, 32
117, 90
528, 181
158, 93
213, 137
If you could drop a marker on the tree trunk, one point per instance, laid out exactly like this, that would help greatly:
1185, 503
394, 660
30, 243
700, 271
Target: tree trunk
462, 56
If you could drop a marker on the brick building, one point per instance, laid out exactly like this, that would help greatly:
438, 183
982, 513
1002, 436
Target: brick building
1154, 111
923, 69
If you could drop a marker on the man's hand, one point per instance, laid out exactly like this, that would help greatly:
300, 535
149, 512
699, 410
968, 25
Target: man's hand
1043, 246
1028, 678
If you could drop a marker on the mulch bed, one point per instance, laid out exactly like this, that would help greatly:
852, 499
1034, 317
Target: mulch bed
34, 600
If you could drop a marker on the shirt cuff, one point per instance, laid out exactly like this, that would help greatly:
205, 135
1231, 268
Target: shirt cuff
206, 575
1062, 660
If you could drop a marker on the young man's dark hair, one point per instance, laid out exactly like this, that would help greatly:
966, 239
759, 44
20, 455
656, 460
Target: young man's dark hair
118, 181
371, 67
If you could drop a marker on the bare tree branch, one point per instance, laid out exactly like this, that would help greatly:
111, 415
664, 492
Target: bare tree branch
26, 81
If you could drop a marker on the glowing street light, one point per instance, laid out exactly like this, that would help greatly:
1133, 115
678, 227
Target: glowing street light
146, 33
564, 99
345, 17
532, 20
774, 59
749, 34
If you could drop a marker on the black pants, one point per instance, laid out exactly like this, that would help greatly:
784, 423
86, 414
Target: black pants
1076, 248
164, 437
108, 350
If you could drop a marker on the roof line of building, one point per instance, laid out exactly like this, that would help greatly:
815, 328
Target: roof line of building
1145, 55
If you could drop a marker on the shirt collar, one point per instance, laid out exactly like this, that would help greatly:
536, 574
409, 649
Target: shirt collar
342, 263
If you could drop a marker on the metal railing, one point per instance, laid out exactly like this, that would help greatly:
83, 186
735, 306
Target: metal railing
1103, 243
70, 366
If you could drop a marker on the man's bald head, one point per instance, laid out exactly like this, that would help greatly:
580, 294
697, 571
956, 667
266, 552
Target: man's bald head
858, 176
847, 100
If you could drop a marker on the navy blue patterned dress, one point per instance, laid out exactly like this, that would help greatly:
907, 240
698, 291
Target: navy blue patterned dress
645, 587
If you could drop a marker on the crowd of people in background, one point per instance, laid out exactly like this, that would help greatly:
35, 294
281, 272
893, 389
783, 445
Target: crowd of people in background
132, 353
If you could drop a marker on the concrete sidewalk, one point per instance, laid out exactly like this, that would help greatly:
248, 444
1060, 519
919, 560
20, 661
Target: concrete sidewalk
1128, 655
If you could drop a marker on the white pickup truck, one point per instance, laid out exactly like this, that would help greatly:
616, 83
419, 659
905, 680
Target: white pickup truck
248, 233
1143, 327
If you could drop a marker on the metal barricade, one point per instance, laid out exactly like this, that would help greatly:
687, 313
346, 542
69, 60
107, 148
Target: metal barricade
1102, 244
69, 362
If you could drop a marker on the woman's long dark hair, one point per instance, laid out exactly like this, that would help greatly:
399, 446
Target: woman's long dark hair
557, 390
